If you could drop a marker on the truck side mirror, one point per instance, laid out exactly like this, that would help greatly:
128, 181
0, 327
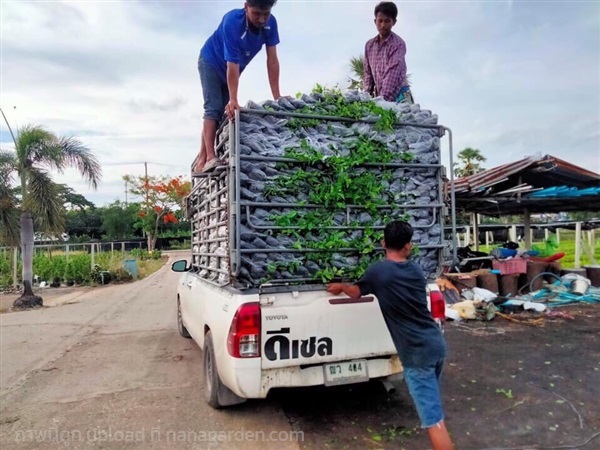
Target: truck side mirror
180, 266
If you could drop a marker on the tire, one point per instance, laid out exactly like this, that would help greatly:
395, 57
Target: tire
212, 382
180, 326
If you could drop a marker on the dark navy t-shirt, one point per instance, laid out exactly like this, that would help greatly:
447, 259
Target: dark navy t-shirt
400, 288
234, 41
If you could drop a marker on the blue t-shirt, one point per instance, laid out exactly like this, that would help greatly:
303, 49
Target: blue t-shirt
400, 288
234, 41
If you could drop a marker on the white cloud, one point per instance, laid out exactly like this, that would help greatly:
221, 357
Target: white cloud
510, 78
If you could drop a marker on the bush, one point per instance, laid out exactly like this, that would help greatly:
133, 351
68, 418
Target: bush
100, 275
78, 269
177, 245
143, 255
121, 275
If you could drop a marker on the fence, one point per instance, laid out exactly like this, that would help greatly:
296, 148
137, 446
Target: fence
91, 248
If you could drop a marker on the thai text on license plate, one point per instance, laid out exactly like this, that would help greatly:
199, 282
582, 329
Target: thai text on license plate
346, 372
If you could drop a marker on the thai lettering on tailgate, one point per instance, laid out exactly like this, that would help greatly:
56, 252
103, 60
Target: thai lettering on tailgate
278, 346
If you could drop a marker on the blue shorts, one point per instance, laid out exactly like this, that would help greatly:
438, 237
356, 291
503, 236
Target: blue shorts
214, 90
424, 388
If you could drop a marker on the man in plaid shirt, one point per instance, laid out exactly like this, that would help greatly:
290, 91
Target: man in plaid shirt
385, 67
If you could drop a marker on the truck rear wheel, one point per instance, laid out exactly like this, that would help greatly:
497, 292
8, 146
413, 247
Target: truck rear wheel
180, 326
211, 375
217, 394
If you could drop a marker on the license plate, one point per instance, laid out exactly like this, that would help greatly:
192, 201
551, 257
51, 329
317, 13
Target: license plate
346, 372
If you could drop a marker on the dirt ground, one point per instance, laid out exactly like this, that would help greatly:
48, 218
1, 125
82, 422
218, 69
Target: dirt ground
51, 296
506, 385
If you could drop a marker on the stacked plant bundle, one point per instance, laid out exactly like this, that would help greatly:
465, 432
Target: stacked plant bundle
317, 193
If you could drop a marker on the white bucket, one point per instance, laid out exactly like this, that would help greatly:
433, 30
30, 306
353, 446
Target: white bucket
579, 286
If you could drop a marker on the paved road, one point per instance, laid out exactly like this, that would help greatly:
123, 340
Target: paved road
112, 372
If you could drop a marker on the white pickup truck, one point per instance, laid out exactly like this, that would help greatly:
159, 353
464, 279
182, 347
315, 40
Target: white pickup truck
267, 236
254, 343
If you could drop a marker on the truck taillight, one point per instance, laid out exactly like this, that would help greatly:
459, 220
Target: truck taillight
243, 340
438, 305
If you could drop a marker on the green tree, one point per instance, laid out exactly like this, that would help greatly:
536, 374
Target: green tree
119, 220
161, 196
84, 222
470, 159
37, 151
73, 200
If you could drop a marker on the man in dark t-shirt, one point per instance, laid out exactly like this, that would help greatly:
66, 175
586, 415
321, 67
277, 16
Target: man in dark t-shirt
400, 288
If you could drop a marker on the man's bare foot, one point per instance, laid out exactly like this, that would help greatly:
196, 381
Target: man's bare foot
199, 166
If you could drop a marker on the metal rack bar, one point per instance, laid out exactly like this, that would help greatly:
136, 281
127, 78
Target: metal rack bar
379, 227
295, 161
332, 250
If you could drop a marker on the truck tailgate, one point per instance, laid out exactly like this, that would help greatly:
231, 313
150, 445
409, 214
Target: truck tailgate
314, 327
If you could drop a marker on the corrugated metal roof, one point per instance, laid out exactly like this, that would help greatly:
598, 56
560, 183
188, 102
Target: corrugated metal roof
510, 188
545, 164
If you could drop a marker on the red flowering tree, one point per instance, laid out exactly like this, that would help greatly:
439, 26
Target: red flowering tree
160, 196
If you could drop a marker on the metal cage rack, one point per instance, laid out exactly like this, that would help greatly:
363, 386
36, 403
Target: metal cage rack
218, 211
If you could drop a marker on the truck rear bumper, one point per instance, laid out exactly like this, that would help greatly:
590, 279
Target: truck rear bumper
245, 384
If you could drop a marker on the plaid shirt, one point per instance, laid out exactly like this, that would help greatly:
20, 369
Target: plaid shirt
385, 68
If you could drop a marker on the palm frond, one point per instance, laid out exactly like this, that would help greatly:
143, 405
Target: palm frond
44, 202
77, 155
357, 66
32, 143
9, 212
8, 161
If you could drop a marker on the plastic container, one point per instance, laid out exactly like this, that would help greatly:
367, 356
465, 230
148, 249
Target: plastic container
579, 286
131, 266
510, 266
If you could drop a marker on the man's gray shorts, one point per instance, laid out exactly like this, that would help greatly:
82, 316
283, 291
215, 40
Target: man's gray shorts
214, 90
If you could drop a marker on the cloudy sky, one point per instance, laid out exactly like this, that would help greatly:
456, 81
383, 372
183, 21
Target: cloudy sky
512, 78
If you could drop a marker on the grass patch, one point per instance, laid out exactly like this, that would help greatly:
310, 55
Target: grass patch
148, 267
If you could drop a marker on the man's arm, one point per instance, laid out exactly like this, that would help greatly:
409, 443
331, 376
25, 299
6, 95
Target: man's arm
394, 74
351, 290
233, 82
273, 71
368, 82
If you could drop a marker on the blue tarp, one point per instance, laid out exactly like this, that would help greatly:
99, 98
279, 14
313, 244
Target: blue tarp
564, 191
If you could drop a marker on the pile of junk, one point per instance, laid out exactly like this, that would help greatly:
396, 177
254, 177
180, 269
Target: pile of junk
510, 280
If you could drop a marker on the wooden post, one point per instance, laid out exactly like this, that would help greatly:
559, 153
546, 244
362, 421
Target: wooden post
487, 238
546, 234
558, 235
475, 219
513, 233
67, 253
93, 255
468, 235
527, 228
577, 245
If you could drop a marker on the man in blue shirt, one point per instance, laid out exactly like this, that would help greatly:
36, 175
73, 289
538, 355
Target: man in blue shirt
400, 288
224, 56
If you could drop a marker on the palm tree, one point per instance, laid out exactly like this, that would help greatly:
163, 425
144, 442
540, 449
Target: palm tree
470, 159
357, 66
37, 151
